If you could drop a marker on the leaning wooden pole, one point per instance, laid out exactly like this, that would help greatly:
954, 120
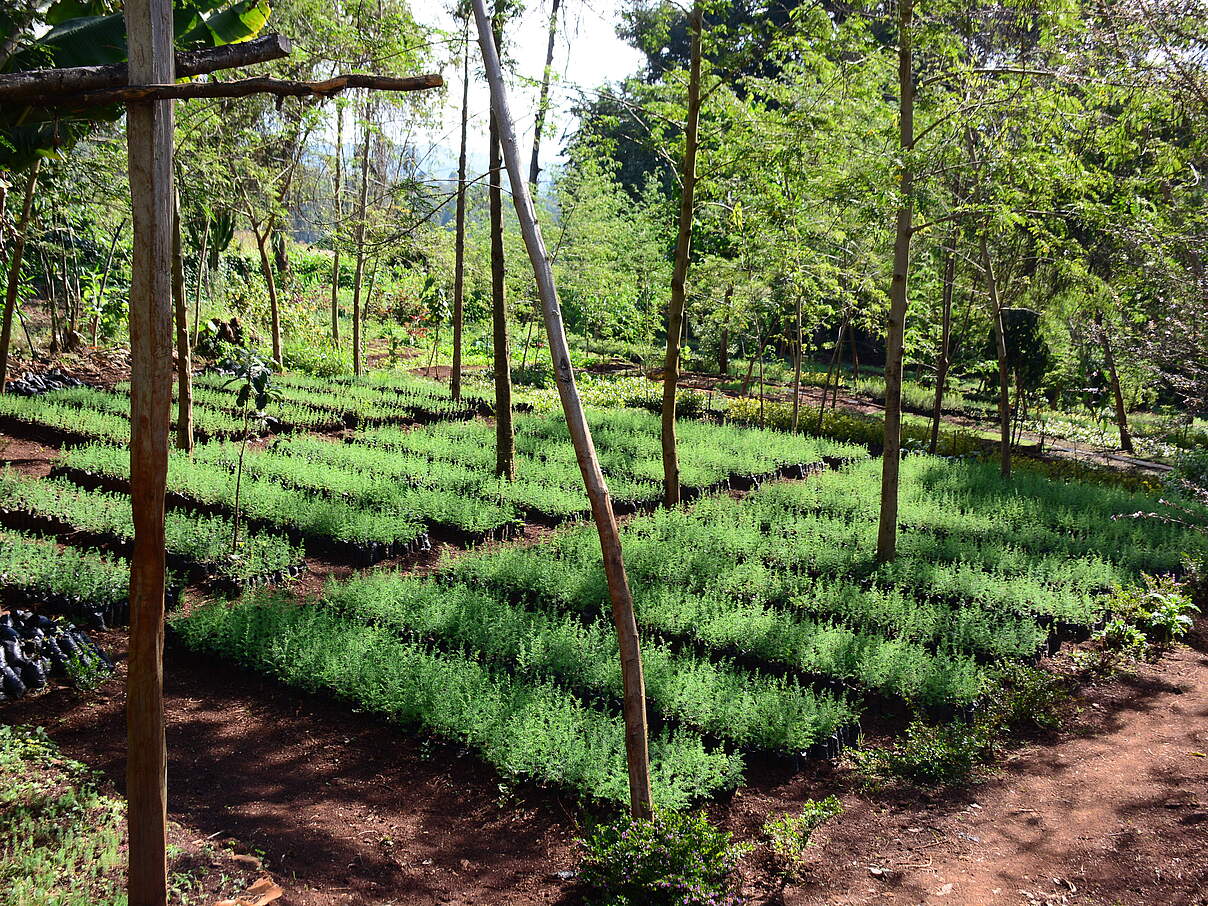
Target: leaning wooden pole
636, 745
149, 136
14, 271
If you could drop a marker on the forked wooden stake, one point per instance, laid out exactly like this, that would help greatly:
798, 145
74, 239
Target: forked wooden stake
636, 745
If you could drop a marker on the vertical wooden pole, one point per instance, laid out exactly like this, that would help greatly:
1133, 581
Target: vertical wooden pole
679, 273
633, 684
14, 270
891, 455
149, 135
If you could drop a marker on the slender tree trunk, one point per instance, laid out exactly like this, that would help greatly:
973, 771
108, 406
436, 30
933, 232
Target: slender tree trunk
202, 266
1004, 373
797, 366
100, 293
855, 357
270, 280
359, 275
14, 270
723, 347
459, 239
52, 301
746, 381
679, 274
941, 367
831, 369
891, 457
184, 366
335, 233
1113, 376
632, 682
149, 128
543, 97
505, 438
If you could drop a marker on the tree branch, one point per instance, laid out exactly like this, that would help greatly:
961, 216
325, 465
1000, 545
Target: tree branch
238, 89
35, 85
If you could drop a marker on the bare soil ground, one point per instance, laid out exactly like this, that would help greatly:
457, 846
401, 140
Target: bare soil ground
345, 809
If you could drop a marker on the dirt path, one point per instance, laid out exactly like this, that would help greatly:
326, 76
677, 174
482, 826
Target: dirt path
1114, 811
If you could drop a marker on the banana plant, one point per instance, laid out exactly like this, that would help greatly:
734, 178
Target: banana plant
64, 33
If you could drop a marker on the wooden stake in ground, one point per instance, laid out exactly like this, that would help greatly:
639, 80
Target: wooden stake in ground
679, 274
501, 352
149, 136
14, 270
1000, 343
636, 745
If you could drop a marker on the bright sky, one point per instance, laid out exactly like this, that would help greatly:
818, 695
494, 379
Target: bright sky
587, 54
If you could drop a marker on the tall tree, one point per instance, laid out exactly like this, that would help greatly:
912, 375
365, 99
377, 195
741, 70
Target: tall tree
14, 269
505, 437
679, 276
891, 456
543, 97
459, 238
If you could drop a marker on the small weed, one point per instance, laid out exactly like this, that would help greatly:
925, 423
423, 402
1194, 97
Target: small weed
87, 670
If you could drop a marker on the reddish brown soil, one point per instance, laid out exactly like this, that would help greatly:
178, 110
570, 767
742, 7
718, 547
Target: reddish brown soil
1112, 810
347, 809
27, 456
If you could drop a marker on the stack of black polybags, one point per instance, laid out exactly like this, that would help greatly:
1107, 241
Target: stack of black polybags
34, 647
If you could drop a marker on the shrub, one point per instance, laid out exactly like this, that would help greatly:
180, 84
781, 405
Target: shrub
929, 755
1024, 698
674, 859
789, 835
1161, 610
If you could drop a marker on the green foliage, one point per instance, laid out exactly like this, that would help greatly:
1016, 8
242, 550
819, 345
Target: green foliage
928, 755
789, 835
1161, 610
674, 859
60, 840
526, 729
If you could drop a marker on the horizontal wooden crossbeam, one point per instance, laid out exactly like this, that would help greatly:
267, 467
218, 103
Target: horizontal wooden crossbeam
35, 86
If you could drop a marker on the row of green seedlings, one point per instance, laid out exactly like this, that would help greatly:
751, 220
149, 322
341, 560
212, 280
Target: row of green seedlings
86, 585
527, 729
399, 384
325, 525
285, 415
770, 579
206, 547
347, 406
82, 415
970, 501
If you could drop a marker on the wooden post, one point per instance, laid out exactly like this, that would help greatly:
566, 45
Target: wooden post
14, 270
891, 454
338, 198
359, 274
149, 135
543, 97
636, 750
501, 344
679, 274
